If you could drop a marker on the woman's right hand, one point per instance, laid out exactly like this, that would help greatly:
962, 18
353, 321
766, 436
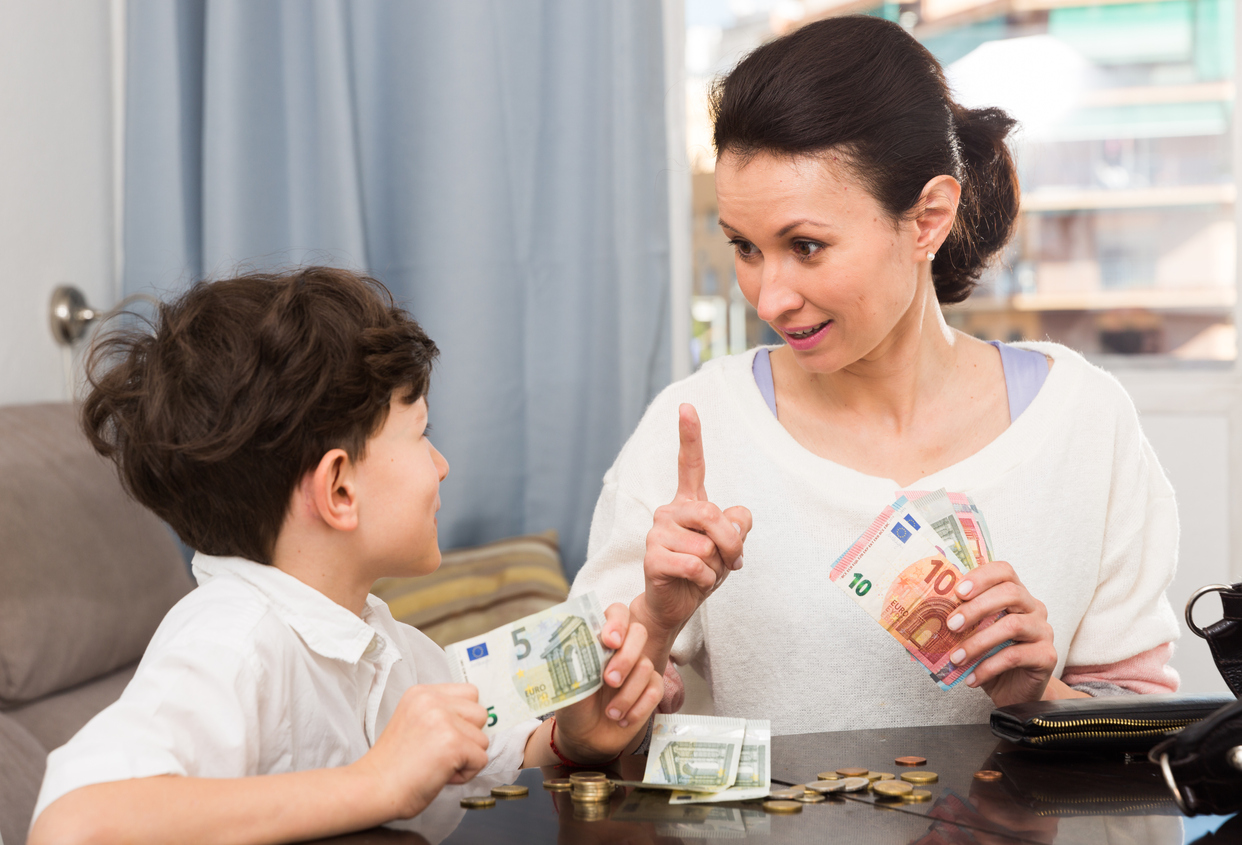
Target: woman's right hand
692, 546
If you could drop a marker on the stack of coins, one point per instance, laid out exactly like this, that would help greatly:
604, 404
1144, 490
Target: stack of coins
590, 788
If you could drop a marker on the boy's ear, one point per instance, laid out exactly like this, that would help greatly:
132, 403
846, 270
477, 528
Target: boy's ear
333, 492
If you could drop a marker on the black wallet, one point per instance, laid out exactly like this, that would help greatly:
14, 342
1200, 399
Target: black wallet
1126, 723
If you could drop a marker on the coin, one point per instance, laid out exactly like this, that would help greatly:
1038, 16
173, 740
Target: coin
988, 774
854, 784
911, 761
874, 776
920, 778
811, 798
826, 786
915, 796
558, 784
786, 794
588, 777
782, 807
852, 773
891, 788
478, 802
509, 790
828, 776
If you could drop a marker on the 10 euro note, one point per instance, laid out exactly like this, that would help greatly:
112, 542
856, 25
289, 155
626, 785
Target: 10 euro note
899, 573
540, 663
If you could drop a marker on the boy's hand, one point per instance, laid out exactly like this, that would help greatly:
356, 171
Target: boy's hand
435, 737
602, 726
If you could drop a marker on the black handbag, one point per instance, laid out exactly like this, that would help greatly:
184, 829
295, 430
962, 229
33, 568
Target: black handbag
1202, 764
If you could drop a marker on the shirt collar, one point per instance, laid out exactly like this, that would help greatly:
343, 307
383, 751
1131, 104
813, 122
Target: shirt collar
327, 628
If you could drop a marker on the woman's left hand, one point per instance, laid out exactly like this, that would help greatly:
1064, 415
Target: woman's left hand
1021, 671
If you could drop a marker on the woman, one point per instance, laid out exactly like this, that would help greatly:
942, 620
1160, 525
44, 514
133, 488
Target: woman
860, 198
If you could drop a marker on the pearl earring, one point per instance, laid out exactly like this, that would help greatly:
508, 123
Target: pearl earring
931, 256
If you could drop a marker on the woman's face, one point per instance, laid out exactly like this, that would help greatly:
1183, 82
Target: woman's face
818, 257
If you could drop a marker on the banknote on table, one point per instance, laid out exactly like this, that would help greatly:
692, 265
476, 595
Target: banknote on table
538, 664
900, 574
754, 770
693, 753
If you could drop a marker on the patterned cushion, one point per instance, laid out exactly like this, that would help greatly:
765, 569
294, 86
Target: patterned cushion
478, 589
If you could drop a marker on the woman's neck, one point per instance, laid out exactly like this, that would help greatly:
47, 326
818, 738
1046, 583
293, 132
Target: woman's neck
907, 370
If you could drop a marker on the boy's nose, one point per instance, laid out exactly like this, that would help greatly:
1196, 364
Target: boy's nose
442, 464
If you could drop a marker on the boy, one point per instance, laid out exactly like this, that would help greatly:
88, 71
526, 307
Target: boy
279, 424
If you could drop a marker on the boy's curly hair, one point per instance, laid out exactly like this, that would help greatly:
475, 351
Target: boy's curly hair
213, 413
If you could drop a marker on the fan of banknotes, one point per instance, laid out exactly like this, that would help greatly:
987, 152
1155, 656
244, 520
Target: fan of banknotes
904, 571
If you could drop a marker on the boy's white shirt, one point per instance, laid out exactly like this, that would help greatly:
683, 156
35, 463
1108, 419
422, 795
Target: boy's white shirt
257, 673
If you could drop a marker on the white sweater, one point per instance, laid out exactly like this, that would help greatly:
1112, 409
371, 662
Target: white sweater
1072, 491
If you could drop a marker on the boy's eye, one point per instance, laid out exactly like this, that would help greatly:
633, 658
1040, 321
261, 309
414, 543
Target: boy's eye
427, 430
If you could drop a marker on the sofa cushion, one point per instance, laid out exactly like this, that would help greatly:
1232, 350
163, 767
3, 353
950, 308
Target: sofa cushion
55, 718
22, 761
86, 573
478, 589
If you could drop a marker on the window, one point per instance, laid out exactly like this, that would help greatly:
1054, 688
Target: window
1126, 242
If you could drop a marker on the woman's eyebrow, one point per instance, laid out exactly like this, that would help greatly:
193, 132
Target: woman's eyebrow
795, 224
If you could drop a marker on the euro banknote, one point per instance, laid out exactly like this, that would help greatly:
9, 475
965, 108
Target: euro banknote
899, 572
754, 770
694, 753
540, 663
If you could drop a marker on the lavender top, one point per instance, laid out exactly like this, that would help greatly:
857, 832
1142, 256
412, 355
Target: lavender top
1025, 372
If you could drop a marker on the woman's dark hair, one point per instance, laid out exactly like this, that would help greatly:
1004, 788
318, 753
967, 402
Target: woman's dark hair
213, 414
865, 87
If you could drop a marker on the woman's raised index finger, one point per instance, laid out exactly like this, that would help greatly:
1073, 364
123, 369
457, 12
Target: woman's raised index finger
690, 466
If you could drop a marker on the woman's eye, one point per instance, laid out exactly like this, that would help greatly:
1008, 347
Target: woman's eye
745, 249
806, 249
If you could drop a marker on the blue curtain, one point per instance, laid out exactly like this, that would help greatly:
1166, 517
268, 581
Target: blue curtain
500, 165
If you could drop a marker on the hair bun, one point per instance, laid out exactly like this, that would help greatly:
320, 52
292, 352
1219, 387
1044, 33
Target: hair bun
988, 211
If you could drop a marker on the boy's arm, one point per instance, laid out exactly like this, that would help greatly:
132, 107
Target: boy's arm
274, 808
434, 737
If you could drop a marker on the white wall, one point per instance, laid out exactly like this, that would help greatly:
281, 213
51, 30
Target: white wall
56, 180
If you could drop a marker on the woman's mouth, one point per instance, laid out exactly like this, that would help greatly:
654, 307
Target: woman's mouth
806, 338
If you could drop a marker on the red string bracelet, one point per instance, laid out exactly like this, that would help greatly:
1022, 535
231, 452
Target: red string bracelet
565, 760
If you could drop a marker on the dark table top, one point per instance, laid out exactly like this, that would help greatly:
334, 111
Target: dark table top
1042, 797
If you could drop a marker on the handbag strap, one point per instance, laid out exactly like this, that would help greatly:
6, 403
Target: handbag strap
1224, 637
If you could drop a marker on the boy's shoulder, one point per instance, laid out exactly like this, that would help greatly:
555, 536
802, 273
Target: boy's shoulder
224, 612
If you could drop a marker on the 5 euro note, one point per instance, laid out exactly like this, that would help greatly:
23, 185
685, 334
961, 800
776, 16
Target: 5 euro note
540, 663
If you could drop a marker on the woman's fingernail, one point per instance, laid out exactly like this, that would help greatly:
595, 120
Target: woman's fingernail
625, 723
957, 656
970, 680
955, 621
737, 564
964, 588
737, 528
615, 678
614, 714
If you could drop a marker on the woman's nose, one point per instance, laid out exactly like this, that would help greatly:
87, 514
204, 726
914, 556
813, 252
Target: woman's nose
776, 295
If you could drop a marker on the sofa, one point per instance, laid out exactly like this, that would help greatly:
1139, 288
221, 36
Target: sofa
86, 575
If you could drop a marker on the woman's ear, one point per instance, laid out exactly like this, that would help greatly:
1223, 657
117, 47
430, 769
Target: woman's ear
937, 209
333, 492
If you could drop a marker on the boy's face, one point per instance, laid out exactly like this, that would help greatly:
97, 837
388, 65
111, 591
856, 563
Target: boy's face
399, 494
